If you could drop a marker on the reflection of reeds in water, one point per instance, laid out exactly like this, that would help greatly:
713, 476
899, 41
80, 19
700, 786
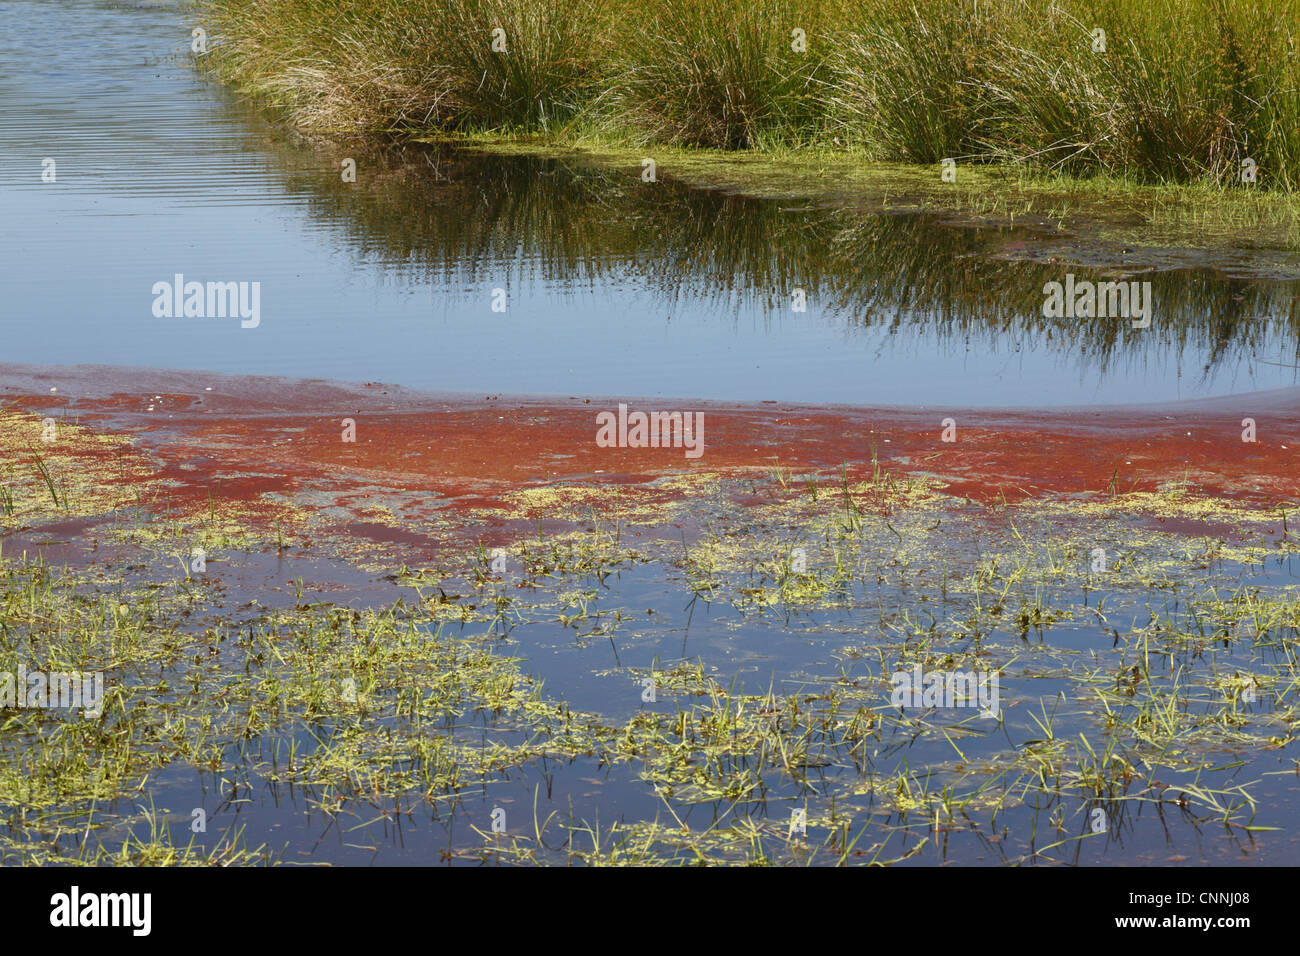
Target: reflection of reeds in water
461, 220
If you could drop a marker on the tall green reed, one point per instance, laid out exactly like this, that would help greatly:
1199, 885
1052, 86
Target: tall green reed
1158, 90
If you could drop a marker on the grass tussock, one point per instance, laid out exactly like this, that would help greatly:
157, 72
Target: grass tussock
730, 74
339, 65
1157, 90
1175, 90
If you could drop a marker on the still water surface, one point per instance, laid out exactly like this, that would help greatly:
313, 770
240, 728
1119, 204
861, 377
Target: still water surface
612, 286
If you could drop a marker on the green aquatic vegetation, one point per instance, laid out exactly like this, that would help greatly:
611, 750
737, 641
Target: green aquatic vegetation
76, 472
1146, 686
397, 710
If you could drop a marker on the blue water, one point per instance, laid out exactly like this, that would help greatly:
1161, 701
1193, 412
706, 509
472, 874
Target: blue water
161, 172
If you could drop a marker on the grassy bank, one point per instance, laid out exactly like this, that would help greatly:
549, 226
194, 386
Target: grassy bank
1167, 91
